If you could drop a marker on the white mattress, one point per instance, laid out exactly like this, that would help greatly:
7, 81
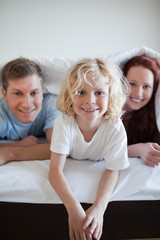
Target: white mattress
28, 182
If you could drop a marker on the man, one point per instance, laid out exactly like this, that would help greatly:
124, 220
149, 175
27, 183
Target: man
26, 114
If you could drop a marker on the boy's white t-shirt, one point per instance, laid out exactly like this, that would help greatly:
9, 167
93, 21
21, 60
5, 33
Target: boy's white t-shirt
109, 142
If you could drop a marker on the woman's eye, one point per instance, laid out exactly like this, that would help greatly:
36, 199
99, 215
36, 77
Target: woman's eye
132, 84
147, 87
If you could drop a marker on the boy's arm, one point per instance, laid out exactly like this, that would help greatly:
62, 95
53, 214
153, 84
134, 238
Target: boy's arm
29, 150
95, 213
75, 211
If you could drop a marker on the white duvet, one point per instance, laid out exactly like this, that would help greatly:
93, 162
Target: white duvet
28, 182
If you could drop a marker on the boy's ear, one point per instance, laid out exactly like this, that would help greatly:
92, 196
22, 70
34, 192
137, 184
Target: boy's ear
4, 93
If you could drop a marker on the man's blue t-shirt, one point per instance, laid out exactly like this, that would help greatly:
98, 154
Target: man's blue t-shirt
12, 129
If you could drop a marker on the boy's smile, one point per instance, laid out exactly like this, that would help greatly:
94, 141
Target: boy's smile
91, 102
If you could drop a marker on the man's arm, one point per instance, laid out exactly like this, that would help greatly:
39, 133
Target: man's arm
30, 140
36, 151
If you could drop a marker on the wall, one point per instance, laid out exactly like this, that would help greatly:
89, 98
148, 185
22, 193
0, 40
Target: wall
72, 28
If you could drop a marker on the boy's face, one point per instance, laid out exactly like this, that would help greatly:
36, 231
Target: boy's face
91, 102
24, 97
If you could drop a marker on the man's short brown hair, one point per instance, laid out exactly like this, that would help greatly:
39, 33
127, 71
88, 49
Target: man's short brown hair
19, 68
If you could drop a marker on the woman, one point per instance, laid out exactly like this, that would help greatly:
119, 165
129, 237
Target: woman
139, 119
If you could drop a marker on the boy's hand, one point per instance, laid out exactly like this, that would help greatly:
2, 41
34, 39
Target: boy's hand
94, 222
76, 221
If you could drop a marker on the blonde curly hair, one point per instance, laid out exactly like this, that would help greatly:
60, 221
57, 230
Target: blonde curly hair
76, 78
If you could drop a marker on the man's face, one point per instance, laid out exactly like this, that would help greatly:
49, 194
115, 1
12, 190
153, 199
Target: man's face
24, 97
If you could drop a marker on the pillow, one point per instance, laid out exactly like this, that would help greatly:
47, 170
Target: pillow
121, 58
54, 71
157, 107
1, 66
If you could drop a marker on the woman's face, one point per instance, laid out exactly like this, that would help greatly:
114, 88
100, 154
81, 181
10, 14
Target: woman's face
141, 82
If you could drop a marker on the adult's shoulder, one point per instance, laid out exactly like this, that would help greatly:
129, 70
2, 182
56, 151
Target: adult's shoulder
4, 110
5, 122
49, 103
49, 97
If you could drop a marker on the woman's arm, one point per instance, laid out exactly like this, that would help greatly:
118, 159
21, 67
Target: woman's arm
148, 152
95, 213
75, 211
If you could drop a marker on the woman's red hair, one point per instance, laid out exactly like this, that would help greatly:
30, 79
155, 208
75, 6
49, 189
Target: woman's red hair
145, 62
141, 124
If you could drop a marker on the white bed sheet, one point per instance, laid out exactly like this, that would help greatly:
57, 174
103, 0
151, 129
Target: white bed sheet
28, 182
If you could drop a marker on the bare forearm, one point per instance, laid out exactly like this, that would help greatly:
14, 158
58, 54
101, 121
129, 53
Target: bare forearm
61, 186
149, 153
76, 214
94, 218
134, 150
9, 144
106, 186
34, 152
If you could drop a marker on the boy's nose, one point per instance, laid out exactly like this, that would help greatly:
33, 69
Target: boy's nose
90, 99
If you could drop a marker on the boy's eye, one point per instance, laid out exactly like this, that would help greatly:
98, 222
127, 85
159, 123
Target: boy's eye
81, 92
99, 93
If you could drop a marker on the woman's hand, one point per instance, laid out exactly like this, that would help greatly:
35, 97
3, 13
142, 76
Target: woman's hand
150, 154
94, 222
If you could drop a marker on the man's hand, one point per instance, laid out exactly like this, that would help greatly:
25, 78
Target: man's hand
28, 141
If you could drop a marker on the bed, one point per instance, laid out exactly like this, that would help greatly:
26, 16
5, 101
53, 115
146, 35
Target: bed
30, 209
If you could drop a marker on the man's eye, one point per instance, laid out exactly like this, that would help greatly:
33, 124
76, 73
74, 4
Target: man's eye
17, 93
34, 93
